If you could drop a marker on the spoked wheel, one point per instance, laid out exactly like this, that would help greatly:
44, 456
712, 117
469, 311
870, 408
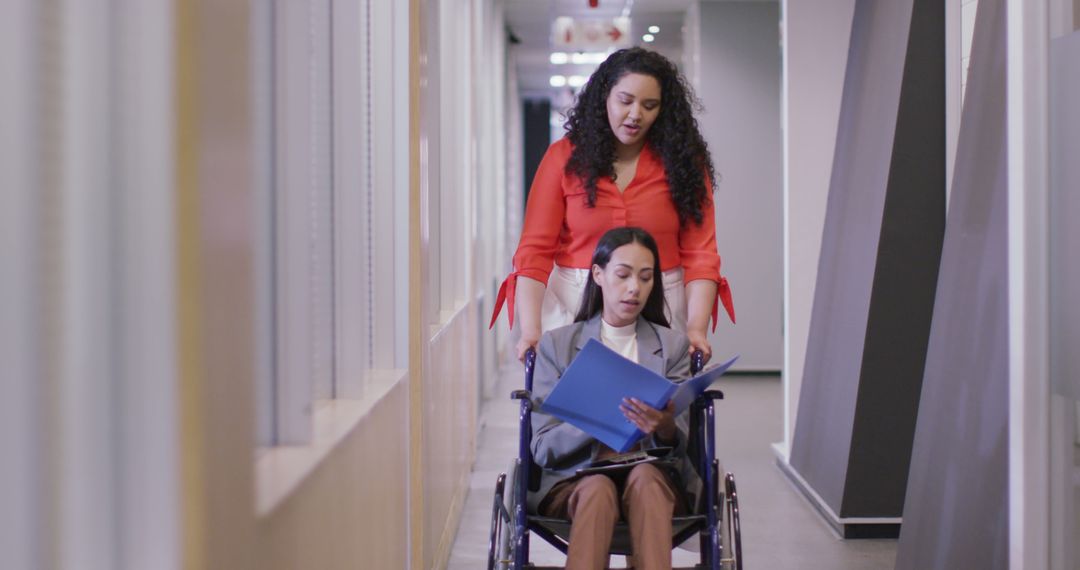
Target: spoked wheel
730, 533
501, 528
502, 540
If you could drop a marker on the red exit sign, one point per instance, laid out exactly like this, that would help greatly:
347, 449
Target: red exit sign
590, 34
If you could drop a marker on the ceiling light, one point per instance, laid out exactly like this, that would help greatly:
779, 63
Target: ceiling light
587, 57
558, 57
576, 80
558, 81
654, 29
647, 38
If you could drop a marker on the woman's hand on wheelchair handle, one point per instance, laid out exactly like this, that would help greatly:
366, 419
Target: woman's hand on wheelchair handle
529, 339
699, 340
650, 420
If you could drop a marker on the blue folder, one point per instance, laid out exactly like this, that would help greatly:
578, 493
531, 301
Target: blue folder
591, 389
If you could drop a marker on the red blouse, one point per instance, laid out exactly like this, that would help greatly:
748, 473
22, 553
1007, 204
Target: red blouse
561, 228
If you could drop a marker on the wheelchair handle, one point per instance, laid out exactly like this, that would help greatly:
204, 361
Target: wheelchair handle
697, 362
530, 365
712, 395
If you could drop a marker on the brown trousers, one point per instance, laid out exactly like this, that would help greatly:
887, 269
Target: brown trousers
592, 505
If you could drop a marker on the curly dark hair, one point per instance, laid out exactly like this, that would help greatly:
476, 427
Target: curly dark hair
674, 135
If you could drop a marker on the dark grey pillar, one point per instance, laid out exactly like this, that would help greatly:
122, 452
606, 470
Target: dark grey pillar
956, 515
536, 115
880, 252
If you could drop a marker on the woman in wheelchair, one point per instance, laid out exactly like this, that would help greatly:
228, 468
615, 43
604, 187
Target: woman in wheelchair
623, 307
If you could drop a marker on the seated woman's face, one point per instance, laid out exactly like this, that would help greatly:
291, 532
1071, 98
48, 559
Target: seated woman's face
625, 283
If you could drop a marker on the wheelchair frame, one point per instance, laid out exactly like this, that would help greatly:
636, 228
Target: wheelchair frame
718, 527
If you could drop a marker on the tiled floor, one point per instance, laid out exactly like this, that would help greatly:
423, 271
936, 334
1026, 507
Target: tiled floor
780, 529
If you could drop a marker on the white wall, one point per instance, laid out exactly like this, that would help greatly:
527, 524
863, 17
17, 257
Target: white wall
87, 334
739, 70
129, 324
691, 55
20, 339
815, 44
492, 143
1064, 279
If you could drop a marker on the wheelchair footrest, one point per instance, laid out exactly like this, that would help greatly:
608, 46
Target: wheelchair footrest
620, 541
694, 567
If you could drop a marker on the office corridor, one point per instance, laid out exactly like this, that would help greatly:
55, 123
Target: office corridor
250, 253
780, 528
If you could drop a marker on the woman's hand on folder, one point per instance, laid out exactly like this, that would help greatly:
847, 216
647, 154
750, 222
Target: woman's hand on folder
650, 420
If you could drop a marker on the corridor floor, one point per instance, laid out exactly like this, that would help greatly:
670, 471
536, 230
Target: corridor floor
780, 528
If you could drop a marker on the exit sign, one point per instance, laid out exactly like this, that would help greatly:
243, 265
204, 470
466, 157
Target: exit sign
590, 34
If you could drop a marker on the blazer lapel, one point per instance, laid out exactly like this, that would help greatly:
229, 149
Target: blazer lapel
591, 329
650, 352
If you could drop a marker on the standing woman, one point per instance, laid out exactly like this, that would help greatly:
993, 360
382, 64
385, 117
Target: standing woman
632, 156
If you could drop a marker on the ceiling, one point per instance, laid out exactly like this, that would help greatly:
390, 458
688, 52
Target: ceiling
531, 22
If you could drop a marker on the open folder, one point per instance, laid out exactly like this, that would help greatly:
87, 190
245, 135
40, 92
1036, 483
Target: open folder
591, 389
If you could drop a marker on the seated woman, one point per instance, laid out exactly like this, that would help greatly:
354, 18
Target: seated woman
622, 307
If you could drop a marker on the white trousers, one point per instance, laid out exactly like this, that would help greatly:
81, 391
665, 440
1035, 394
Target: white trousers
565, 287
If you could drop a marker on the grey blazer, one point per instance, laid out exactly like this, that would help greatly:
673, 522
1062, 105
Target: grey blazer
559, 448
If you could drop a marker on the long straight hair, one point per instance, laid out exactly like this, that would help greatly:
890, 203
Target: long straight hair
592, 301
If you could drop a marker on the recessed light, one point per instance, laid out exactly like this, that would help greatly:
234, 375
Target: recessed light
558, 57
576, 80
647, 38
654, 29
558, 81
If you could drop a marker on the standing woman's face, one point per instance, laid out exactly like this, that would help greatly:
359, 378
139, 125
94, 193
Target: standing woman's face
632, 107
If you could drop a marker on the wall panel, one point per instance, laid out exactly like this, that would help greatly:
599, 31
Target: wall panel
740, 89
957, 513
351, 511
877, 270
450, 389
815, 39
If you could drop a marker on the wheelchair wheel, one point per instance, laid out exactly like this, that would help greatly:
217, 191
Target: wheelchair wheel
730, 532
501, 539
498, 523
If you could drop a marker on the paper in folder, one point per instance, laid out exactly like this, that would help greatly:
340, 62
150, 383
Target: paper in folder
594, 384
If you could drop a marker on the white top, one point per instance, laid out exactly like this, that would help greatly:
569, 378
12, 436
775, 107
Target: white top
622, 340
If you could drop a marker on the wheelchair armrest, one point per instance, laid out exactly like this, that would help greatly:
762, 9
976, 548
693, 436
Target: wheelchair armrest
712, 395
525, 396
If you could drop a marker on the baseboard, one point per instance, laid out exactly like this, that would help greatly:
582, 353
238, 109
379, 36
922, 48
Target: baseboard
753, 372
846, 527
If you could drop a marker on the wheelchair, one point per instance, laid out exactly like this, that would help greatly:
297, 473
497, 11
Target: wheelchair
715, 520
